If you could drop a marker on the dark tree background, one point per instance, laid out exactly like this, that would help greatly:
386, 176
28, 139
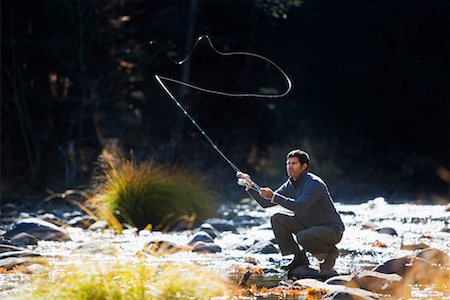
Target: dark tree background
370, 99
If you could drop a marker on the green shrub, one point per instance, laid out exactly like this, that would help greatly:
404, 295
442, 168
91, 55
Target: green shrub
144, 193
97, 281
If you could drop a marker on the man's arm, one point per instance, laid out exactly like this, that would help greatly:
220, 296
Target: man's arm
254, 194
312, 191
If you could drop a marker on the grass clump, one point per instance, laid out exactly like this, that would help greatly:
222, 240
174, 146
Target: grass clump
145, 193
127, 281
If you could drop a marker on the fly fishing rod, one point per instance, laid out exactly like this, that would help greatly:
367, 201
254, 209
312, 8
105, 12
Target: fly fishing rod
160, 80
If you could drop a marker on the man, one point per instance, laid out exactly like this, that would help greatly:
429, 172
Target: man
316, 223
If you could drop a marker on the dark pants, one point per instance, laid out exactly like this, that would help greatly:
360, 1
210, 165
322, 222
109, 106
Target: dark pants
317, 239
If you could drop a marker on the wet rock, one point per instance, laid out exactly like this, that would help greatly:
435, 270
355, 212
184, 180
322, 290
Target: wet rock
12, 262
421, 271
161, 247
36, 269
82, 222
71, 215
369, 225
221, 224
24, 239
337, 291
95, 248
435, 256
99, 225
238, 247
387, 230
51, 218
20, 253
209, 229
347, 213
345, 280
380, 283
200, 236
8, 248
202, 247
396, 265
9, 210
413, 247
40, 229
263, 247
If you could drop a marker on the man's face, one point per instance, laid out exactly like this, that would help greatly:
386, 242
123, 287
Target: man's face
293, 167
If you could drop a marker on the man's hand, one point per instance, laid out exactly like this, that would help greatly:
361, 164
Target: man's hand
246, 177
266, 193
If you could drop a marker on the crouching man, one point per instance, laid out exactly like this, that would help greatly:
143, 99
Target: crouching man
315, 222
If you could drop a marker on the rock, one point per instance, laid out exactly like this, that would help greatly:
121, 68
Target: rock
396, 265
387, 230
337, 291
435, 256
413, 247
369, 225
82, 222
238, 247
12, 262
209, 229
51, 218
37, 269
200, 236
24, 239
221, 224
9, 210
20, 253
161, 247
40, 229
99, 225
95, 248
347, 213
421, 271
380, 283
345, 280
206, 248
8, 248
263, 247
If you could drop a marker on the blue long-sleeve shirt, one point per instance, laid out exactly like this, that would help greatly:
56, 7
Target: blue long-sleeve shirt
308, 197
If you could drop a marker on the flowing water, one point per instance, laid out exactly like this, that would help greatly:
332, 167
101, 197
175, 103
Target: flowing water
360, 248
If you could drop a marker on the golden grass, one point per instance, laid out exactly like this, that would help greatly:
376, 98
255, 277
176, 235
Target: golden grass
97, 281
145, 193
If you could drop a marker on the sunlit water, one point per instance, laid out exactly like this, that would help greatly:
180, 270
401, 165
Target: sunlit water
413, 223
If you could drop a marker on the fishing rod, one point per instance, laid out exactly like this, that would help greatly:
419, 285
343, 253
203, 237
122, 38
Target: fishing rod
160, 80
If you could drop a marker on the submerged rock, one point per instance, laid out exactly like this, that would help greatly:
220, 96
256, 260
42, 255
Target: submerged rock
206, 248
40, 229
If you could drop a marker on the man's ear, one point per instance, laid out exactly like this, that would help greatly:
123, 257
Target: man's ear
304, 166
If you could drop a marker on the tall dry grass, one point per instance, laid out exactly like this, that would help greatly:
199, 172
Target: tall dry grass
143, 193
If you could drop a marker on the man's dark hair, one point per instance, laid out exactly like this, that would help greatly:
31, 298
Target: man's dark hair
302, 156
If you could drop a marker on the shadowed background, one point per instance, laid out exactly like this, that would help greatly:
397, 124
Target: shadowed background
370, 99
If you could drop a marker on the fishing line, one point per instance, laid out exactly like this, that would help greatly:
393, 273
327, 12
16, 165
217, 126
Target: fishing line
160, 79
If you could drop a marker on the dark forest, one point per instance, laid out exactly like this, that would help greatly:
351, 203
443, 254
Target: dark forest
370, 98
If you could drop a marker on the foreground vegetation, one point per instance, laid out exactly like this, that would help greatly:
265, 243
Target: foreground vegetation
97, 281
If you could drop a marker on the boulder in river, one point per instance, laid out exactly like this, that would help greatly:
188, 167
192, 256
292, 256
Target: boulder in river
221, 224
202, 247
24, 239
209, 229
200, 236
263, 247
40, 229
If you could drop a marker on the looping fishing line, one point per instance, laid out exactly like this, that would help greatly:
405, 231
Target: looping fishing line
160, 79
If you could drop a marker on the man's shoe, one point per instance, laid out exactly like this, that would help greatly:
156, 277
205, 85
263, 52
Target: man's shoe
299, 260
329, 260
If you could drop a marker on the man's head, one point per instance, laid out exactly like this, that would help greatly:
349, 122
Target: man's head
297, 162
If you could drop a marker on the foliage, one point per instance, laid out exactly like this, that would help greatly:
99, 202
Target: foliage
128, 281
146, 193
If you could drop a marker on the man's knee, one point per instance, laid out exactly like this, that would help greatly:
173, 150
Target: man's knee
277, 219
